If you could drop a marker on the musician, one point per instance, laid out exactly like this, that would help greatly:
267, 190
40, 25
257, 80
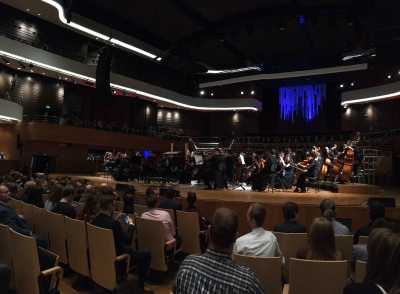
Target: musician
310, 167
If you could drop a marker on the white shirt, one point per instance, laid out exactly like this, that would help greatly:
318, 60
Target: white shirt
258, 242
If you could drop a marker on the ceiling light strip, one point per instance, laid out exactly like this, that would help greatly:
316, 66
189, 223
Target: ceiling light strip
63, 19
236, 70
370, 99
8, 118
120, 87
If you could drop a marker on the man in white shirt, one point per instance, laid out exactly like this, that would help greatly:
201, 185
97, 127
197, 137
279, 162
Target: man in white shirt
258, 242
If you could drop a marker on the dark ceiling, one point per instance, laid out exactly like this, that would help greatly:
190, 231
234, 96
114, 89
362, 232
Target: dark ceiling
278, 34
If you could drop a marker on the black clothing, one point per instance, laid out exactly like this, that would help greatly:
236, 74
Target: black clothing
9, 217
5, 278
65, 209
129, 204
362, 289
290, 227
167, 203
363, 231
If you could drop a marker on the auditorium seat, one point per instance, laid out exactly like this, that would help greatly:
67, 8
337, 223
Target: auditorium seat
151, 237
361, 271
189, 231
16, 204
363, 240
77, 245
37, 219
316, 277
57, 235
29, 278
5, 250
267, 269
27, 212
344, 244
103, 257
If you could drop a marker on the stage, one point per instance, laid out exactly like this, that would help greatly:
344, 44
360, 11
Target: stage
347, 195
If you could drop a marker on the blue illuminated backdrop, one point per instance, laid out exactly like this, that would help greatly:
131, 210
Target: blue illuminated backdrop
301, 101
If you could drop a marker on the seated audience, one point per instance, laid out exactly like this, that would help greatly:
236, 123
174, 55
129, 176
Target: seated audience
105, 220
290, 210
54, 197
328, 210
129, 199
258, 242
152, 201
383, 266
376, 211
168, 200
191, 202
64, 205
9, 217
214, 271
90, 208
321, 242
33, 195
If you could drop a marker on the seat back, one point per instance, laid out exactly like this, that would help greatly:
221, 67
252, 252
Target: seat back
102, 256
361, 271
151, 237
5, 246
43, 225
16, 204
291, 243
189, 231
344, 244
267, 269
27, 212
26, 263
77, 245
57, 235
140, 209
37, 218
316, 277
363, 240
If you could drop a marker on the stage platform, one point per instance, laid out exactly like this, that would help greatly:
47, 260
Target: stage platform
348, 195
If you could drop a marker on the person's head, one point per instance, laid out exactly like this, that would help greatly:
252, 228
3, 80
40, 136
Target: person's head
56, 193
107, 204
383, 264
328, 209
68, 193
152, 200
376, 211
191, 199
4, 193
256, 215
33, 192
290, 210
91, 205
321, 240
223, 229
151, 190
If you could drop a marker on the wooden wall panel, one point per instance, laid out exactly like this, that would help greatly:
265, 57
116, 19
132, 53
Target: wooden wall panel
8, 142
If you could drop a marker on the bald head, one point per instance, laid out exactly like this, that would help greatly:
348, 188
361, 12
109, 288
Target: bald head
224, 228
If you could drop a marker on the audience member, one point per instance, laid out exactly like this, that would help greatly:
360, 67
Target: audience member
214, 271
191, 200
33, 195
258, 242
54, 197
152, 201
328, 210
376, 211
129, 199
105, 220
383, 266
321, 242
90, 208
168, 200
64, 205
290, 225
9, 217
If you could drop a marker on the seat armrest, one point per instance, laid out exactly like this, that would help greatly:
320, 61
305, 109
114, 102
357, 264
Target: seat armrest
126, 257
56, 272
286, 289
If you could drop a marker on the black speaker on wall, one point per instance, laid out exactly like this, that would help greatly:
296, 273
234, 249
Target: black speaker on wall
103, 69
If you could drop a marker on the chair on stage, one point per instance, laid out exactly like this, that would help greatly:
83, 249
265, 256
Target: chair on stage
267, 269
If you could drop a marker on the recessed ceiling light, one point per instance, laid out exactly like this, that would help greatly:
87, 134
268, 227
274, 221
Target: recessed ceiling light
389, 76
39, 14
212, 94
341, 86
159, 58
48, 107
202, 92
27, 9
352, 84
241, 92
252, 92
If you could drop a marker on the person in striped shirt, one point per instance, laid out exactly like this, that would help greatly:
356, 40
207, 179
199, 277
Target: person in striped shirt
214, 272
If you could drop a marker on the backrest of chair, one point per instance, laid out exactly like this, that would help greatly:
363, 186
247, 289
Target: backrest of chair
25, 262
189, 231
16, 204
363, 240
361, 271
43, 225
102, 256
151, 237
291, 243
36, 220
27, 212
140, 209
316, 277
267, 269
58, 235
5, 246
344, 244
77, 246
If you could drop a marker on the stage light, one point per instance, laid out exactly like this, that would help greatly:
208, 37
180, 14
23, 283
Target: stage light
235, 70
252, 92
212, 94
202, 92
352, 84
341, 86
241, 92
48, 107
389, 76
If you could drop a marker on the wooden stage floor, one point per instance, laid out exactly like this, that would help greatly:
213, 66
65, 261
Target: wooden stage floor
311, 197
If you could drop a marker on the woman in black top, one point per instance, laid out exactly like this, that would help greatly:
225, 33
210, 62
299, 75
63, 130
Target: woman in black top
383, 264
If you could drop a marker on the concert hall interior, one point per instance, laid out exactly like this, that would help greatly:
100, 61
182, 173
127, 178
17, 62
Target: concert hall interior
199, 146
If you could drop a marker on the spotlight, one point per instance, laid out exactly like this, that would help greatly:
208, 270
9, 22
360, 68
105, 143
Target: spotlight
352, 84
252, 92
341, 86
389, 76
212, 94
202, 92
241, 92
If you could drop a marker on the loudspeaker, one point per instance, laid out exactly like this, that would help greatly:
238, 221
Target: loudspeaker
103, 89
